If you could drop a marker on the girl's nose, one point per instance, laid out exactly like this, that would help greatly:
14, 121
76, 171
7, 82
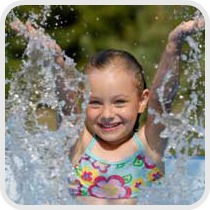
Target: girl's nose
107, 114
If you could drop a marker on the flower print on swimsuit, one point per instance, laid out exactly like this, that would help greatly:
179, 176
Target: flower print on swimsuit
148, 163
103, 168
87, 175
77, 189
85, 157
154, 175
112, 187
137, 184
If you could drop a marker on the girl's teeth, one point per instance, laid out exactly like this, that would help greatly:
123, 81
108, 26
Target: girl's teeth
110, 126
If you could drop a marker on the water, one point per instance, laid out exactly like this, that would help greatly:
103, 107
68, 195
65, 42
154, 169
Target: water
36, 152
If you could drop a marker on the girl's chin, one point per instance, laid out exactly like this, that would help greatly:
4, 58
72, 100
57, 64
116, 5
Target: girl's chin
110, 136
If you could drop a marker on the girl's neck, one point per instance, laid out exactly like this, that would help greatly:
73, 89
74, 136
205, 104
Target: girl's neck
106, 145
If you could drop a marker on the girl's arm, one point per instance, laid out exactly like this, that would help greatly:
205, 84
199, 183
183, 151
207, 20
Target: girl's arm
67, 72
165, 84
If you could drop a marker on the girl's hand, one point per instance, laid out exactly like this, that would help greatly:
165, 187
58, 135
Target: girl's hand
29, 31
185, 29
26, 30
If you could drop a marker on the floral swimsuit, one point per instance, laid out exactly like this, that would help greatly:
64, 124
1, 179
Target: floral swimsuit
124, 179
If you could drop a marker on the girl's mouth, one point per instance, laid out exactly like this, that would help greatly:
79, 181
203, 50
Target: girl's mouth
109, 126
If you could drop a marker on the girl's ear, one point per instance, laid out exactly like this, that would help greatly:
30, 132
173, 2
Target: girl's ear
144, 97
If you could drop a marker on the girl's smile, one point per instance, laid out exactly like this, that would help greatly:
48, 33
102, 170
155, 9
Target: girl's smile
109, 127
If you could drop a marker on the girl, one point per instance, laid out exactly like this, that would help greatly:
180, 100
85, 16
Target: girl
115, 157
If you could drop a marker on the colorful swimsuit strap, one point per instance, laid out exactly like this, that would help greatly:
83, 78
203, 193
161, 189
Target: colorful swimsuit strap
90, 146
138, 142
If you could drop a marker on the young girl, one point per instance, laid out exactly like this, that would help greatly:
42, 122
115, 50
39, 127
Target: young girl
114, 158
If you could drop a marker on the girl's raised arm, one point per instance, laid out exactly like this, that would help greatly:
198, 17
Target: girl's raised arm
70, 97
166, 82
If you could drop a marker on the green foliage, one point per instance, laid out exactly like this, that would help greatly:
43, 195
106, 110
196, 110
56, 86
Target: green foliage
83, 30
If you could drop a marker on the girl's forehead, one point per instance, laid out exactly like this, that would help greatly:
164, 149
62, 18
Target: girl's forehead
112, 80
116, 76
111, 76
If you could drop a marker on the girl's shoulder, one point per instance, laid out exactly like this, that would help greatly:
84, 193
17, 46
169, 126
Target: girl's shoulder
85, 137
80, 145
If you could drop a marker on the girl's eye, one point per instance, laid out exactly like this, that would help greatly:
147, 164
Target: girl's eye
120, 102
95, 103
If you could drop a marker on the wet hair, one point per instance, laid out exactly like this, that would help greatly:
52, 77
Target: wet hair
106, 57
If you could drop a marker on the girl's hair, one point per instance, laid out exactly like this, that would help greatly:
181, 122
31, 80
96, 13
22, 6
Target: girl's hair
106, 57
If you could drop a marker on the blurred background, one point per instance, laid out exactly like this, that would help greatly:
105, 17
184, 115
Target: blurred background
82, 30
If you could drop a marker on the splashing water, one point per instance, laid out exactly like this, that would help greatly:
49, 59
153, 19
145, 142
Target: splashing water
184, 180
37, 163
36, 158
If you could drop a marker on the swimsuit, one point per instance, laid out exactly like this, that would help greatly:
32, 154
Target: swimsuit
113, 180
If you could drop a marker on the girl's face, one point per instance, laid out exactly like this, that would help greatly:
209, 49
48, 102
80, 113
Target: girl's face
114, 104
